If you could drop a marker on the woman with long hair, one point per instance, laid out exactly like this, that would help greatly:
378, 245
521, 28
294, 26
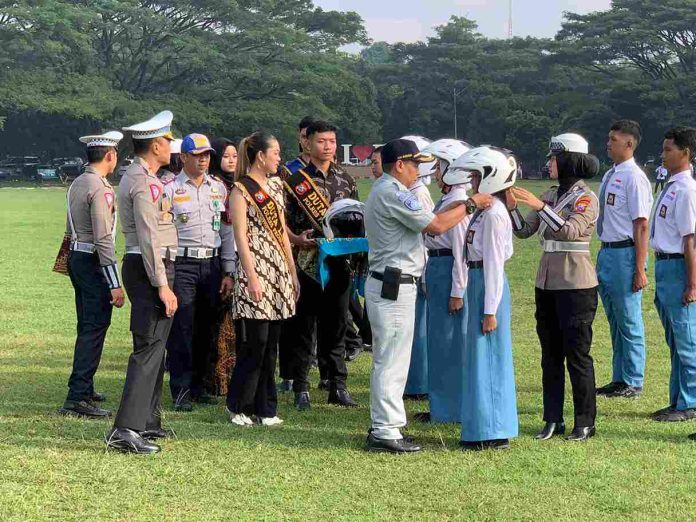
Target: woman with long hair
222, 165
265, 284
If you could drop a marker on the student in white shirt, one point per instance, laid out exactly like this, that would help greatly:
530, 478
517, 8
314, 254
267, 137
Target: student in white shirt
625, 200
489, 403
672, 238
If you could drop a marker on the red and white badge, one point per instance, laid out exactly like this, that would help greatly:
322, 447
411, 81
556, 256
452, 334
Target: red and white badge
109, 197
260, 197
302, 188
155, 192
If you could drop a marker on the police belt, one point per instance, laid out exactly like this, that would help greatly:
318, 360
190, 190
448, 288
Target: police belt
475, 264
618, 244
440, 252
661, 256
550, 246
167, 252
405, 279
197, 253
79, 246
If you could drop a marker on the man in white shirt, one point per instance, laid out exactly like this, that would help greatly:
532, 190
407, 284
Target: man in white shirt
625, 201
672, 237
661, 176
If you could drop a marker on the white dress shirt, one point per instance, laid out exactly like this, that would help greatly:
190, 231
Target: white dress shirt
454, 239
627, 196
674, 215
489, 238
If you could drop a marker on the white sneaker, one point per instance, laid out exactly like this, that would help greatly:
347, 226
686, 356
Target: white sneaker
247, 420
239, 419
270, 421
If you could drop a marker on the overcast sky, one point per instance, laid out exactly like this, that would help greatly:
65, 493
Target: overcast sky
412, 20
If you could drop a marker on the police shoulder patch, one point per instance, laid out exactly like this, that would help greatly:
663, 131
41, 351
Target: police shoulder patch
582, 203
409, 200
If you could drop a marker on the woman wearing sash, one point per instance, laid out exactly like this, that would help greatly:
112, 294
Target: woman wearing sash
566, 282
489, 402
265, 283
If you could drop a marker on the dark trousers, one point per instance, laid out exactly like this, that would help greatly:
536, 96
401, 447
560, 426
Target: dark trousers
359, 314
190, 346
252, 389
93, 306
659, 185
327, 309
142, 392
564, 325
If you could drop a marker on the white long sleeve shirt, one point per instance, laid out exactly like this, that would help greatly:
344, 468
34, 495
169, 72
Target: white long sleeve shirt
454, 239
489, 239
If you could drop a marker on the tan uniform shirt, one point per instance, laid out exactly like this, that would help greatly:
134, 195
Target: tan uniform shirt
146, 218
93, 210
574, 222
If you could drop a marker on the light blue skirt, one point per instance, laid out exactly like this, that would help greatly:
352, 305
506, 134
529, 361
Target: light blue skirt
489, 402
417, 382
446, 338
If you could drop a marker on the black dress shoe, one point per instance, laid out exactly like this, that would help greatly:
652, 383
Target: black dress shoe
182, 402
579, 434
415, 396
129, 441
692, 436
494, 444
626, 391
98, 397
323, 385
157, 433
302, 402
353, 353
610, 388
422, 416
342, 398
664, 410
550, 429
677, 415
84, 409
376, 445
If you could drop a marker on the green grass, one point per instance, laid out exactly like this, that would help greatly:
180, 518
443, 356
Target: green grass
314, 466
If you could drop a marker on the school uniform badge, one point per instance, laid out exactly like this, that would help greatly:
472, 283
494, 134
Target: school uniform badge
611, 198
663, 211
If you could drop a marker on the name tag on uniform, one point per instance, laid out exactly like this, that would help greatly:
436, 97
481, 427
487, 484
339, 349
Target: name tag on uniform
610, 198
663, 211
181, 199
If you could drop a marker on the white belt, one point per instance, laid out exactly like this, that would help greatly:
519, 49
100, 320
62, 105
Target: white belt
550, 245
167, 252
79, 246
197, 253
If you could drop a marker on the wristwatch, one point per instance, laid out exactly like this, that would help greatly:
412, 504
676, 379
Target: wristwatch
470, 206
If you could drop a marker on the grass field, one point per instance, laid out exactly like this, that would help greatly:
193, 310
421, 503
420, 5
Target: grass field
314, 466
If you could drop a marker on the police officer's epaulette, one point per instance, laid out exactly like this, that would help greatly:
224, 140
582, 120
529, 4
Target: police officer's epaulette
215, 178
167, 181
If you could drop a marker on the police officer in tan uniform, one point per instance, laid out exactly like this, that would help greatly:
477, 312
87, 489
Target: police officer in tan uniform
93, 269
148, 275
566, 283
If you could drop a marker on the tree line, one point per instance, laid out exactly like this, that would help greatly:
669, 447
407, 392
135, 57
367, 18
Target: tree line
227, 67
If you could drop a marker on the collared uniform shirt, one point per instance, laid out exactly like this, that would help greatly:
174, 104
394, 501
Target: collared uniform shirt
146, 218
627, 196
575, 222
454, 239
93, 210
489, 239
394, 221
674, 215
334, 185
421, 192
198, 213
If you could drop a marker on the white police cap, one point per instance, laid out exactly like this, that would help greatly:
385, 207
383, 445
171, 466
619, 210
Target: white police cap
568, 142
108, 139
158, 125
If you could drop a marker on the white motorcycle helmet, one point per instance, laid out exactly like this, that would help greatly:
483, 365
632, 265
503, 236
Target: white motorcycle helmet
497, 167
175, 146
344, 218
447, 151
568, 142
424, 169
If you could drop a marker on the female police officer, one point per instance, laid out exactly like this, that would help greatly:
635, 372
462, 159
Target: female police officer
566, 282
394, 221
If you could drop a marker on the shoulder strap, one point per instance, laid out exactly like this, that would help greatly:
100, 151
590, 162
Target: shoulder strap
560, 205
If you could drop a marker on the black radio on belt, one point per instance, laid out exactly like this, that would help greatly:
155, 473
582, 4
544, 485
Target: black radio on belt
391, 281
